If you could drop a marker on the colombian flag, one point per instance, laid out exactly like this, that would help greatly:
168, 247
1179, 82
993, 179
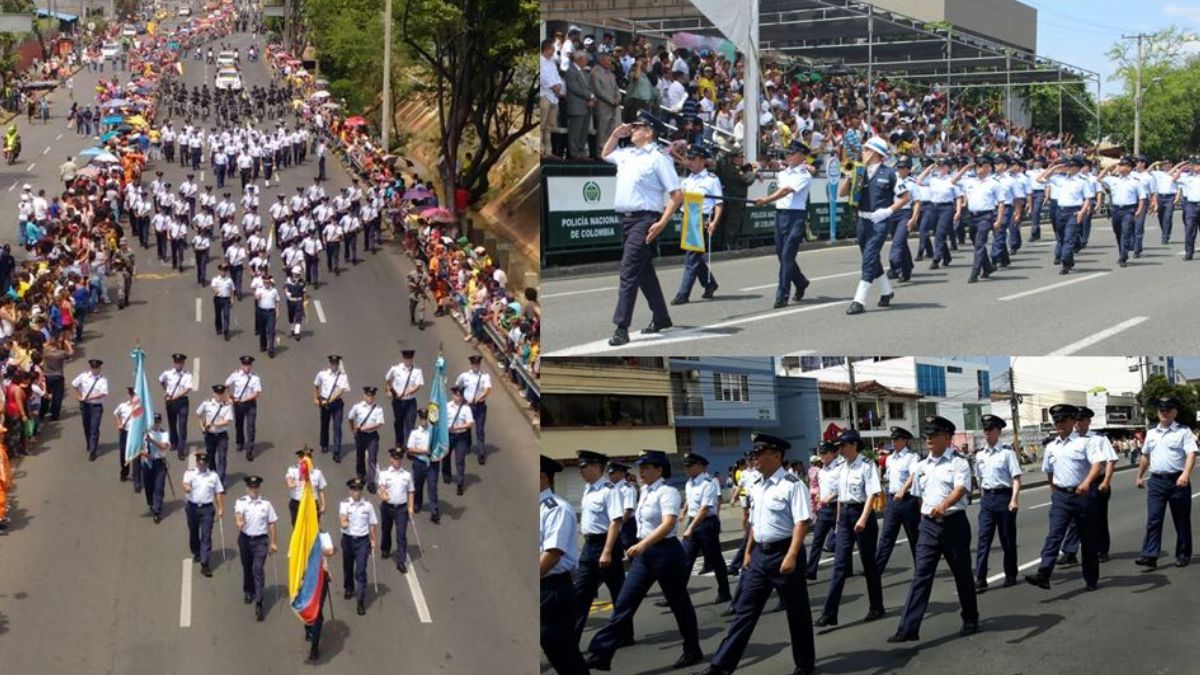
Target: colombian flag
693, 222
306, 581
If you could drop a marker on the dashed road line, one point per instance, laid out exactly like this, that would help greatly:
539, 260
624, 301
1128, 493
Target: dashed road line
198, 305
414, 587
320, 310
1051, 287
185, 595
1100, 336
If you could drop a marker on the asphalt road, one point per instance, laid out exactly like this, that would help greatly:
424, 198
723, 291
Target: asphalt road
1138, 621
1028, 308
84, 566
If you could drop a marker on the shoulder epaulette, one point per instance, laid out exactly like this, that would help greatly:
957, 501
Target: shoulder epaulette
791, 478
550, 503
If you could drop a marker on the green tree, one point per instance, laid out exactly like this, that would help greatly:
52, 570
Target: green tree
480, 55
1078, 108
1170, 95
348, 36
1157, 386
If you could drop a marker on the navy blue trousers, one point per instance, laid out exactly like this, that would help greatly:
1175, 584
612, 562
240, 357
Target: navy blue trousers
1071, 540
637, 271
900, 257
1166, 214
943, 225
1139, 231
981, 225
825, 521
789, 233
846, 538
758, 581
200, 525
870, 244
663, 563
706, 541
1191, 220
1035, 214
425, 474
994, 515
479, 413
354, 564
331, 420
394, 517
1161, 493
154, 478
1122, 224
925, 225
1065, 232
1000, 242
460, 443
366, 455
559, 606
90, 414
245, 419
1014, 229
1064, 507
253, 552
177, 421
949, 538
404, 419
588, 577
695, 267
906, 514
217, 447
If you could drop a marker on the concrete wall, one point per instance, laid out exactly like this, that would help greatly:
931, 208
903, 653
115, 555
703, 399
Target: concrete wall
1003, 20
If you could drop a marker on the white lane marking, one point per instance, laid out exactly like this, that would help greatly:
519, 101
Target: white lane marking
1098, 337
196, 373
185, 595
418, 597
198, 305
58, 137
569, 293
30, 167
201, 176
698, 333
46, 151
1022, 568
1051, 287
320, 310
827, 276
11, 187
271, 239
1195, 494
1039, 505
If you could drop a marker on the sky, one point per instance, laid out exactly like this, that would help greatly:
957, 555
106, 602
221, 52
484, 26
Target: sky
998, 365
1080, 32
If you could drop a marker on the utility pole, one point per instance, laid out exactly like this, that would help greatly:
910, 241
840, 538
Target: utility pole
385, 123
1137, 94
1015, 402
853, 395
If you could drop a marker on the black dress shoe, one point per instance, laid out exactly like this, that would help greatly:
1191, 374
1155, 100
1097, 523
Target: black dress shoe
597, 663
371, 487
250, 455
1104, 557
722, 599
903, 637
969, 628
258, 612
361, 609
157, 519
206, 570
855, 308
619, 337
656, 326
436, 518
386, 554
92, 457
347, 595
885, 300
935, 265
314, 654
1068, 559
679, 300
1137, 255
728, 611
780, 303
972, 279
980, 585
710, 291
874, 614
1146, 561
1065, 270
799, 295
1182, 562
688, 659
401, 568
459, 491
1057, 261
248, 598
824, 621
1090, 587
1041, 579
662, 603
1010, 581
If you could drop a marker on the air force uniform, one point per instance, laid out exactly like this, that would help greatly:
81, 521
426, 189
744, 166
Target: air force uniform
359, 522
599, 507
1166, 453
256, 515
901, 511
557, 531
996, 468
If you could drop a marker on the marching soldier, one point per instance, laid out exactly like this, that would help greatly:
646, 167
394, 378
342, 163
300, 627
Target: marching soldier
1169, 454
902, 508
879, 197
366, 418
856, 486
557, 557
999, 475
460, 422
154, 466
694, 266
205, 493
403, 380
215, 416
313, 633
266, 304
657, 557
601, 515
826, 519
328, 387
425, 469
294, 293
255, 519
358, 522
223, 288
617, 473
122, 415
396, 506
296, 488
702, 535
792, 203
177, 384
1073, 465
779, 516
91, 388
246, 386
943, 480
476, 386
1101, 491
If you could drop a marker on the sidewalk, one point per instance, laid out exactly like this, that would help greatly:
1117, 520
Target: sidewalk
731, 516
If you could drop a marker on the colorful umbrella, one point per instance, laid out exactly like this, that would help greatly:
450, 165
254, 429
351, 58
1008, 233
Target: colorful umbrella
137, 121
417, 194
356, 121
106, 158
113, 119
91, 152
320, 94
437, 215
115, 103
108, 136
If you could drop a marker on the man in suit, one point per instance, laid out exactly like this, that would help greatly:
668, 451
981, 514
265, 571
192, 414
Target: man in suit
580, 101
608, 97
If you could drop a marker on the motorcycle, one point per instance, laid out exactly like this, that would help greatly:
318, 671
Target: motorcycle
12, 151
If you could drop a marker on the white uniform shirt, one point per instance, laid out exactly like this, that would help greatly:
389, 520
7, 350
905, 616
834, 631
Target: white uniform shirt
777, 504
982, 194
243, 385
257, 514
899, 466
458, 416
658, 501
857, 481
222, 287
937, 477
601, 504
315, 476
644, 177
418, 439
368, 415
997, 466
206, 485
799, 180
474, 384
400, 377
1070, 459
704, 183
628, 493
217, 415
557, 531
267, 297
1168, 448
93, 388
330, 381
398, 483
124, 412
360, 516
701, 491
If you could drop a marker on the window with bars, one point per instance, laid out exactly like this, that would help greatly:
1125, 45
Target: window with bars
831, 408
895, 410
731, 387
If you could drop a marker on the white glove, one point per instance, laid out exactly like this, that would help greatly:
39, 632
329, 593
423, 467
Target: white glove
880, 215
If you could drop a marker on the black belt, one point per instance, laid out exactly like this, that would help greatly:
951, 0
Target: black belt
942, 203
952, 514
368, 433
774, 546
590, 538
1070, 207
1166, 474
989, 491
633, 214
1071, 488
792, 210
200, 506
1123, 206
892, 495
980, 213
216, 433
354, 536
254, 536
1037, 191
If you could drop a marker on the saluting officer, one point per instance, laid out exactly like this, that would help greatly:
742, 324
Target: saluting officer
1129, 199
1101, 491
779, 516
601, 514
366, 418
358, 522
461, 420
91, 388
644, 176
291, 478
1073, 465
328, 387
657, 557
215, 416
425, 469
999, 474
856, 486
791, 205
557, 556
396, 506
177, 383
618, 473
204, 491
826, 517
901, 506
403, 381
245, 386
703, 532
701, 181
476, 386
1069, 190
255, 519
984, 197
1169, 454
154, 466
943, 480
